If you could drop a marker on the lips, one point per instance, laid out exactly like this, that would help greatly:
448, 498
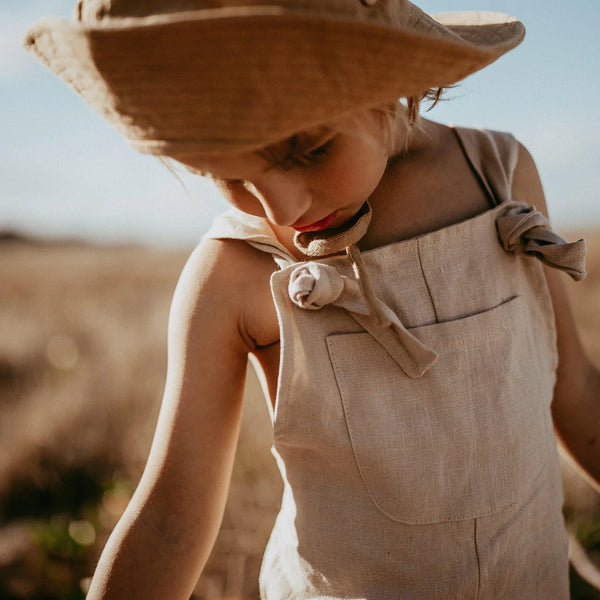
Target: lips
317, 225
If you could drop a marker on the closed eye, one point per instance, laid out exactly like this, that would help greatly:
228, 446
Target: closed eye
302, 149
313, 155
321, 150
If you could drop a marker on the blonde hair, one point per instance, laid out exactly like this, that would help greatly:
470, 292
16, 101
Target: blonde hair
413, 103
405, 113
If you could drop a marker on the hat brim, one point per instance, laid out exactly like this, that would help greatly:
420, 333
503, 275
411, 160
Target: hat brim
230, 83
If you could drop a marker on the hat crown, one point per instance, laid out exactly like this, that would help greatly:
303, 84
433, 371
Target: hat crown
391, 12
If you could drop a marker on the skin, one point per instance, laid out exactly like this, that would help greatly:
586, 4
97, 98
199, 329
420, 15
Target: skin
223, 301
333, 183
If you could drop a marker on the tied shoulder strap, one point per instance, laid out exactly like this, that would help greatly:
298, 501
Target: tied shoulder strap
493, 158
523, 228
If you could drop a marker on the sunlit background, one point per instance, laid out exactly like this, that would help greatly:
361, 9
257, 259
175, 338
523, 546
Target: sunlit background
65, 173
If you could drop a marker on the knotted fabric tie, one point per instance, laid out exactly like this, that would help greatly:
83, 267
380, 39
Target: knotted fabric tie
528, 230
313, 285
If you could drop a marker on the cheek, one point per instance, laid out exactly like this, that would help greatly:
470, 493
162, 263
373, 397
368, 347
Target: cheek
239, 197
360, 178
359, 166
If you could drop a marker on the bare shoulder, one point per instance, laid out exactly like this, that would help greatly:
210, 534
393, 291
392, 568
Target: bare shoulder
526, 184
226, 283
527, 187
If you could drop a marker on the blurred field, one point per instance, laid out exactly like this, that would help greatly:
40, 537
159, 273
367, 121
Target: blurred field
82, 364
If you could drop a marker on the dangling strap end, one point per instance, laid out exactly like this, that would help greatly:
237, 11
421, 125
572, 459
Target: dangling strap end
567, 257
526, 229
418, 358
366, 287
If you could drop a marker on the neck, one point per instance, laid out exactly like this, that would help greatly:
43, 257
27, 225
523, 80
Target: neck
286, 236
421, 137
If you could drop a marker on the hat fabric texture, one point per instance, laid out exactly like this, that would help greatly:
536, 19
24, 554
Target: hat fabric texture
230, 76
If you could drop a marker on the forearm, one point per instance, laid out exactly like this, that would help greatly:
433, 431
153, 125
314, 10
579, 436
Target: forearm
576, 414
150, 555
165, 536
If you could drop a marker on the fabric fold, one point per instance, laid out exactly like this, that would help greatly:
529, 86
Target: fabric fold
523, 228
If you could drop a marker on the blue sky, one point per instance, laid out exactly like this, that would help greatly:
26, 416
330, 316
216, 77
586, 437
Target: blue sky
65, 172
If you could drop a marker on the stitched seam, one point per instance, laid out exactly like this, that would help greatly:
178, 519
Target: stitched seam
337, 359
437, 320
282, 393
477, 592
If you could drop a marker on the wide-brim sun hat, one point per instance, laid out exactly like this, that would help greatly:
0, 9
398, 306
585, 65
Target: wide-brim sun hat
229, 76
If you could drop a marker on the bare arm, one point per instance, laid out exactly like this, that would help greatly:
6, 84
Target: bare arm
576, 405
165, 536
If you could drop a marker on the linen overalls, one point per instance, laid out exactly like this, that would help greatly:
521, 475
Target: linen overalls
418, 458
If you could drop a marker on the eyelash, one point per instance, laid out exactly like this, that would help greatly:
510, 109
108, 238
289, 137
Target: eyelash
311, 157
321, 150
306, 158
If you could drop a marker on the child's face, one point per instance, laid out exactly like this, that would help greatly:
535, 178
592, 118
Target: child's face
307, 187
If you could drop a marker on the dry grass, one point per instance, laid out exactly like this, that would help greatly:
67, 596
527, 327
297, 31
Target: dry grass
82, 364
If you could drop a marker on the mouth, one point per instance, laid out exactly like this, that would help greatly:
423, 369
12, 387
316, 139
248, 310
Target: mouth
317, 225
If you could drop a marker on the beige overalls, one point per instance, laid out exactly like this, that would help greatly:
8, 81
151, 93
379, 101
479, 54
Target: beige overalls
418, 454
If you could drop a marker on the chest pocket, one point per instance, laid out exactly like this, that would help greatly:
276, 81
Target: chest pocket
463, 441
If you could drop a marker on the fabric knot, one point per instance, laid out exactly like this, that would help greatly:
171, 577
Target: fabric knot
313, 285
523, 228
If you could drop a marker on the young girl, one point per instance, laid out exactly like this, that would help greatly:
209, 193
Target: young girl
383, 271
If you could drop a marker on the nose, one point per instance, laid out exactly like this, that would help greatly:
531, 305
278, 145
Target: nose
283, 196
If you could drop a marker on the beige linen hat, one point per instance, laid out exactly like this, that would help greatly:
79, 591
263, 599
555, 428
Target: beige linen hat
233, 75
